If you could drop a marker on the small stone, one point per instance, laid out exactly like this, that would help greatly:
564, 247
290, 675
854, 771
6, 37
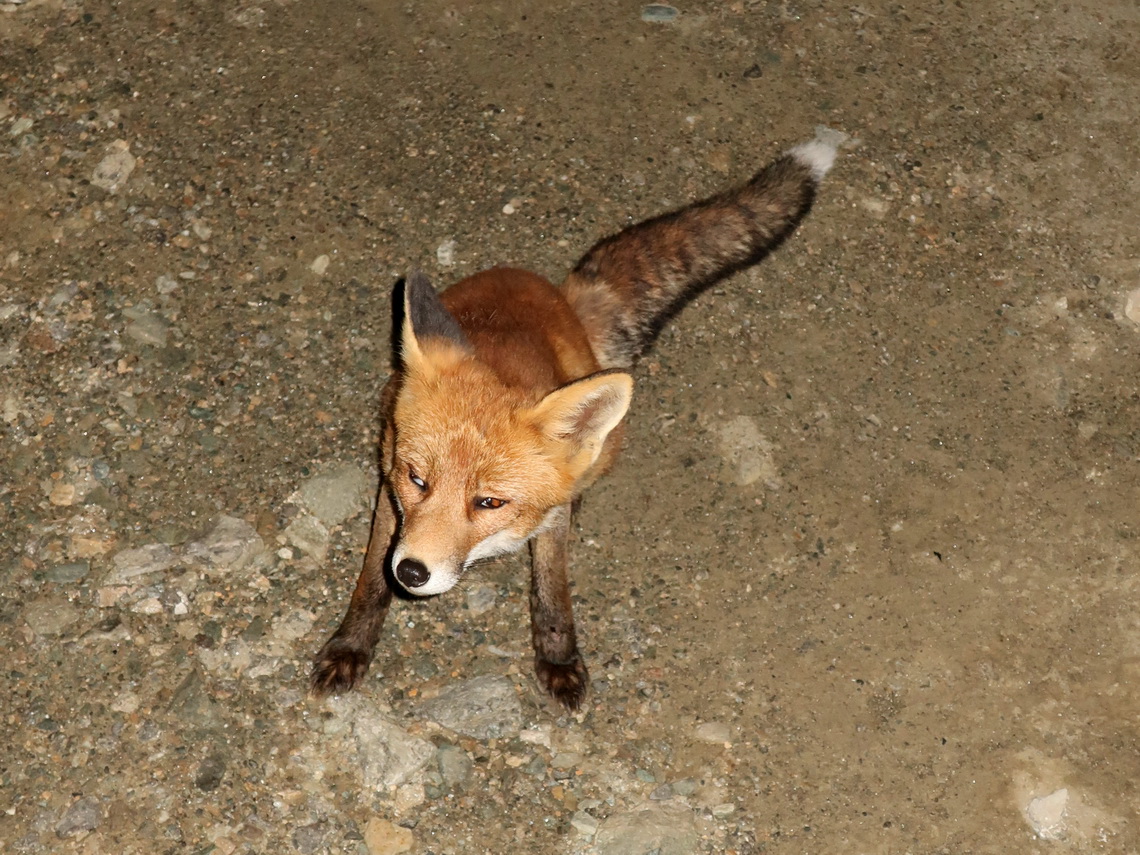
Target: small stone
310, 839
1047, 814
145, 327
722, 810
62, 494
115, 168
482, 708
658, 13
126, 703
320, 265
84, 815
50, 617
645, 776
455, 766
445, 253
130, 563
21, 126
210, 772
232, 544
383, 838
584, 824
667, 827
388, 755
293, 626
713, 731
148, 606
662, 793
685, 787
337, 495
747, 451
481, 599
65, 573
1132, 306
311, 537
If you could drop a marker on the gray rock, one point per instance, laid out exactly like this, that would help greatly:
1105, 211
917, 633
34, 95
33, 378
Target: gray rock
84, 815
747, 451
115, 168
50, 616
210, 771
714, 731
658, 13
455, 766
481, 598
388, 755
65, 573
232, 544
336, 495
145, 326
668, 828
309, 839
482, 708
308, 534
152, 558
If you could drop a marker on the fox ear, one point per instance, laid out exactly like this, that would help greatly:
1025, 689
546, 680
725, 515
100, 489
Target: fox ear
425, 318
582, 414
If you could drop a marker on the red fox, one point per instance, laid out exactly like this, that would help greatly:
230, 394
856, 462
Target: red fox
508, 399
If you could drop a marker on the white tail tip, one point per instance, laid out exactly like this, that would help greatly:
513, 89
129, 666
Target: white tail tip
819, 154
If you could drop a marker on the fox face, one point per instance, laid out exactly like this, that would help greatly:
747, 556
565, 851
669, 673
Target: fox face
478, 467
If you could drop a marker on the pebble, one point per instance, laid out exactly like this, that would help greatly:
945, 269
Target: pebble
481, 599
115, 168
64, 573
143, 560
1132, 306
337, 495
584, 824
84, 815
482, 708
747, 451
309, 535
713, 731
381, 837
232, 544
50, 616
455, 766
1046, 814
145, 327
445, 253
658, 13
669, 828
388, 755
320, 264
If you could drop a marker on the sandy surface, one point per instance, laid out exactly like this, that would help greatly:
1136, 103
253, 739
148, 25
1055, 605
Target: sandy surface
865, 579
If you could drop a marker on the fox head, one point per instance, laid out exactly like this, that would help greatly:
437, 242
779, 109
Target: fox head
477, 467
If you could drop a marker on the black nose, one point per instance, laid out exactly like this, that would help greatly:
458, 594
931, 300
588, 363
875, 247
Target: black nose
412, 573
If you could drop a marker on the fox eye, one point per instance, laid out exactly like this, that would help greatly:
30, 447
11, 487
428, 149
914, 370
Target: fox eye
490, 503
416, 479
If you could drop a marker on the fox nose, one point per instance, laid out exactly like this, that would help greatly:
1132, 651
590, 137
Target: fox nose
412, 573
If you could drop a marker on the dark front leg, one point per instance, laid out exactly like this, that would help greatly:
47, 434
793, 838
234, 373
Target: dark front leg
556, 659
345, 658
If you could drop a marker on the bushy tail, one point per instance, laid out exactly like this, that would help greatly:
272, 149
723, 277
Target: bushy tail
628, 285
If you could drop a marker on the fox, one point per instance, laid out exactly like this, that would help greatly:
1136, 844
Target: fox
507, 401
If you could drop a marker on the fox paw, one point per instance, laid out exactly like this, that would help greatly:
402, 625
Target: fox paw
567, 683
337, 669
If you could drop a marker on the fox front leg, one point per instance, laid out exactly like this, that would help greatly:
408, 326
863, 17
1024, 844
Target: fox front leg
345, 658
557, 662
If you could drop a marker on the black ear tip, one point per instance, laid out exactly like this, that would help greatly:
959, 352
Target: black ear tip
417, 280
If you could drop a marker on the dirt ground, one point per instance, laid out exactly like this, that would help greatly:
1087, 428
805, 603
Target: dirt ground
865, 578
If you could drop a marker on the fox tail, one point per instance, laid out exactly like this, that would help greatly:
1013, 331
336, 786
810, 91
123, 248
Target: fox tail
628, 285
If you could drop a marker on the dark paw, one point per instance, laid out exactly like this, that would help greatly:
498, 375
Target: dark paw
337, 669
566, 683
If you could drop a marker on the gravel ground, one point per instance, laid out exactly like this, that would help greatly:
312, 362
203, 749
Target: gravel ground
865, 579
